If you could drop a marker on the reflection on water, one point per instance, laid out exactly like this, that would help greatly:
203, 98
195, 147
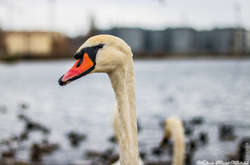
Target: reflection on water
217, 90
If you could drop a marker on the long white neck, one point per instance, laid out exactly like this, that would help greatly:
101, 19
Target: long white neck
179, 148
132, 101
176, 131
123, 83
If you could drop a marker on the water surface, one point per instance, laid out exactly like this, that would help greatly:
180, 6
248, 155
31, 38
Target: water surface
217, 90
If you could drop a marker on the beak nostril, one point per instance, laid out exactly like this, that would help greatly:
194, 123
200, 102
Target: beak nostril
77, 56
79, 63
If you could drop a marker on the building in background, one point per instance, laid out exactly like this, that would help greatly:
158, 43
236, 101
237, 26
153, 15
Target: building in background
155, 42
181, 40
135, 37
221, 41
184, 40
247, 38
36, 43
168, 42
1, 42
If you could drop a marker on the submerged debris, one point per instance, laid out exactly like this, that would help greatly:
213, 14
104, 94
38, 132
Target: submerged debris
226, 132
3, 109
112, 139
157, 151
139, 127
164, 143
198, 120
106, 157
192, 146
9, 154
75, 138
242, 152
24, 136
23, 117
39, 150
189, 130
160, 162
162, 124
189, 157
203, 137
24, 106
32, 125
244, 149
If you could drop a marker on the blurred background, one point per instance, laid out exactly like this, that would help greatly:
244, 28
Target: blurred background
191, 61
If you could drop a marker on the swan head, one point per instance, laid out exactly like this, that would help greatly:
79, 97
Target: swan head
100, 53
173, 123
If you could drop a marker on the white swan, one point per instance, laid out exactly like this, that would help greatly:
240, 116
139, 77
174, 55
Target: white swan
174, 129
111, 55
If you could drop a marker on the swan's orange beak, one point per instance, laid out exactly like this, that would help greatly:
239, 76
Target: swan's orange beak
81, 67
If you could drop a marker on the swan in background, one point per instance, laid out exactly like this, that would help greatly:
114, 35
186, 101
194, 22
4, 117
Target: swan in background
116, 131
111, 55
174, 129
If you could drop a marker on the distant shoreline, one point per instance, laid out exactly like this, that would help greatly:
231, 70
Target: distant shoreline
137, 57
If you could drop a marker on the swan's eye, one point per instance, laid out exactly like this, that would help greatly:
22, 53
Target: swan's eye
98, 46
